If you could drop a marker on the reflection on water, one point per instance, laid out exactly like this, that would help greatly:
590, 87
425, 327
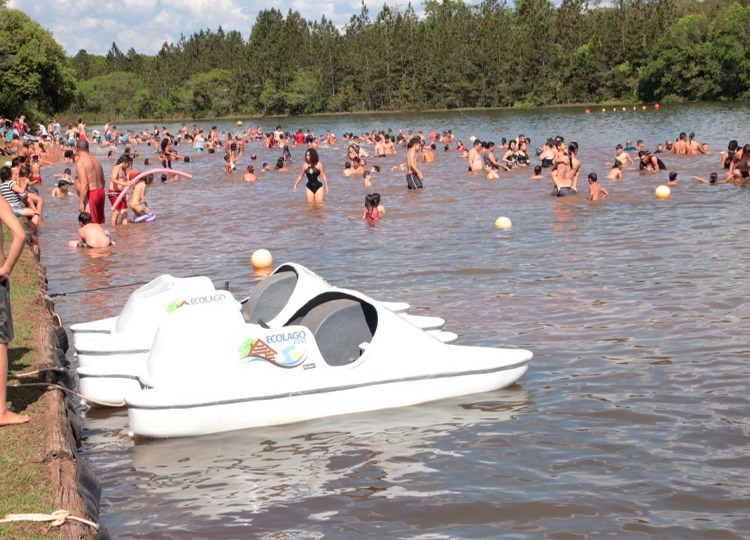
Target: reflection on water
631, 421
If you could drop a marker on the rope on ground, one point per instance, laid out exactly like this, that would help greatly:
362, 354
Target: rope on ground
60, 387
33, 373
58, 517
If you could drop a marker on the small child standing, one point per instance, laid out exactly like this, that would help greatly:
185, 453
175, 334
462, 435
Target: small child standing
596, 191
138, 202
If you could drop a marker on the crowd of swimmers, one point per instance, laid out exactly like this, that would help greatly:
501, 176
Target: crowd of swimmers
31, 148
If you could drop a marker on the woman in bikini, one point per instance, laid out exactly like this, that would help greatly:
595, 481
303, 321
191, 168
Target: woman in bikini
314, 171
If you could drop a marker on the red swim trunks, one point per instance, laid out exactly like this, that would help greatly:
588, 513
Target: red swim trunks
96, 205
122, 205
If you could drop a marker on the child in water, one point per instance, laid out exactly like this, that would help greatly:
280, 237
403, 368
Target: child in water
61, 190
378, 205
138, 198
370, 214
596, 191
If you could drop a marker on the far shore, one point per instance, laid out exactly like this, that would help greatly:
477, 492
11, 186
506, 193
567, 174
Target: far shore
248, 117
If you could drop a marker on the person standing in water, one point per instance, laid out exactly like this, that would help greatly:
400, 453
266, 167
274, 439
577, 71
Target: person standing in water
118, 180
89, 183
414, 176
314, 171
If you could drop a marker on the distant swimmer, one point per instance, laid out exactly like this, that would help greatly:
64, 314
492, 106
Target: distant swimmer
249, 175
726, 157
741, 161
693, 146
713, 178
90, 235
615, 174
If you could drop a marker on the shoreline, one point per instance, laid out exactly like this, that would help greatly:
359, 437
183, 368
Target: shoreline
255, 116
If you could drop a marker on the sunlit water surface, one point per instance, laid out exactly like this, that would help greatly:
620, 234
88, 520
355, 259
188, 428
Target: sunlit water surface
632, 420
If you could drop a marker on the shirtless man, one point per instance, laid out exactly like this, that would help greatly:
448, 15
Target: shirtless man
90, 235
118, 180
89, 183
681, 146
414, 177
693, 146
428, 154
476, 161
82, 130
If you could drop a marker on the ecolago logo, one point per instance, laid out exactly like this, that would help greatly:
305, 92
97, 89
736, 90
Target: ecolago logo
207, 299
289, 336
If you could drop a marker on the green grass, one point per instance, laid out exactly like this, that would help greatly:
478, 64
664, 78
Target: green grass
25, 478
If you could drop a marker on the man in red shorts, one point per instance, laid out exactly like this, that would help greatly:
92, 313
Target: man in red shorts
90, 183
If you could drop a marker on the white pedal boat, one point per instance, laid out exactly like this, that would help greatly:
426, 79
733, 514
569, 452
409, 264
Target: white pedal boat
342, 353
111, 353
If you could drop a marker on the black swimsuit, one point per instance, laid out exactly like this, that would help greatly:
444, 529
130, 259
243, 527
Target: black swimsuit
313, 184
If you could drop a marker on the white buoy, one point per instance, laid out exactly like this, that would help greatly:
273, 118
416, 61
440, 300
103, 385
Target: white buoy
503, 223
261, 258
472, 138
663, 192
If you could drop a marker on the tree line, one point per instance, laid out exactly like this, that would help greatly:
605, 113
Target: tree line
455, 55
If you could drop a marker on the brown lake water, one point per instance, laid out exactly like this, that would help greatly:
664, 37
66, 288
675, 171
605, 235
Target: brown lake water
632, 420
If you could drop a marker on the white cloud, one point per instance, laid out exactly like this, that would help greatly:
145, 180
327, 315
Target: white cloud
146, 24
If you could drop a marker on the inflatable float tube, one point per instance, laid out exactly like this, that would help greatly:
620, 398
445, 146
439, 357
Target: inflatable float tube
145, 218
141, 175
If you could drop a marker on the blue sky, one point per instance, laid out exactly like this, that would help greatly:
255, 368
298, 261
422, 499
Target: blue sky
146, 24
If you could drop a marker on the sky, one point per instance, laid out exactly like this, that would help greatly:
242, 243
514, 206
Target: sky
146, 24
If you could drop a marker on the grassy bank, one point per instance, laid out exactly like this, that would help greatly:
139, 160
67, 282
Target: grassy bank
24, 476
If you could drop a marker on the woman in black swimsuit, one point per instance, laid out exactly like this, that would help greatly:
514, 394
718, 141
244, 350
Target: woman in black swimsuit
314, 171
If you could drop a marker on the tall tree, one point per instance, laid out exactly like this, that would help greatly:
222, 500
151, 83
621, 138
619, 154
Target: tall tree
35, 74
